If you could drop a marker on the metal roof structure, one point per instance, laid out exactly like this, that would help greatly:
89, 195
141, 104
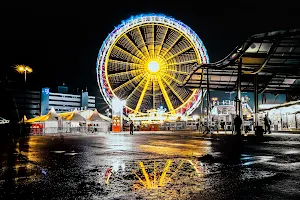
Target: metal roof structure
273, 56
3, 121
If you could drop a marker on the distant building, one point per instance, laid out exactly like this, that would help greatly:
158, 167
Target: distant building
25, 103
65, 102
62, 89
17, 103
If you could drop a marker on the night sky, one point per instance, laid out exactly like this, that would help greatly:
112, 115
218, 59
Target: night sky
61, 42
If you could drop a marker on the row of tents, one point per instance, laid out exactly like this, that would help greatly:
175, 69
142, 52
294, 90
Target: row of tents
75, 121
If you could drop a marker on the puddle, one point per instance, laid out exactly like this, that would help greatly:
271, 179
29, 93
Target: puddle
71, 154
58, 151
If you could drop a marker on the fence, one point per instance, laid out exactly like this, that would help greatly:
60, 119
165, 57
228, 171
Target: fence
67, 130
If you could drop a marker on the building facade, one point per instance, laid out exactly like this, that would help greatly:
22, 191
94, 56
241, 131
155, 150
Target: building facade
35, 103
62, 102
26, 103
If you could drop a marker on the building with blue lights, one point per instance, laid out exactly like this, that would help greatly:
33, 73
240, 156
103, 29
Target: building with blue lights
35, 103
62, 102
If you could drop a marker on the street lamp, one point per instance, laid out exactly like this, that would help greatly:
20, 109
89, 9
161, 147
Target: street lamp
24, 69
214, 99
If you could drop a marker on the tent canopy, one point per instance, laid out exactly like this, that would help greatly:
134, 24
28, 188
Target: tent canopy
75, 116
95, 116
51, 116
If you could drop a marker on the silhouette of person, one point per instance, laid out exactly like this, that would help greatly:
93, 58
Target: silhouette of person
267, 124
237, 124
131, 128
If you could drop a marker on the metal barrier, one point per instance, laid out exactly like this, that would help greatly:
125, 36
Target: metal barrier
67, 130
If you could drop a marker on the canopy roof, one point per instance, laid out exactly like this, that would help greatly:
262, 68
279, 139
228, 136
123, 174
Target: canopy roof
75, 116
95, 116
3, 121
70, 116
51, 116
273, 56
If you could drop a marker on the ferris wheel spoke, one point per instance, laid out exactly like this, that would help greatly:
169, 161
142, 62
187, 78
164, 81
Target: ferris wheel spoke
152, 47
127, 82
137, 50
176, 71
172, 89
172, 45
131, 56
124, 64
125, 73
137, 108
144, 48
180, 52
136, 87
171, 77
161, 35
148, 32
165, 95
182, 63
153, 92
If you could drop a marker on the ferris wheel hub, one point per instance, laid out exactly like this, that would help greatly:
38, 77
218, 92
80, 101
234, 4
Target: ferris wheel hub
153, 66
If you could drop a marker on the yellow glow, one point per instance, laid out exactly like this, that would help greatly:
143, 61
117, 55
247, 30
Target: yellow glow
140, 58
153, 66
23, 68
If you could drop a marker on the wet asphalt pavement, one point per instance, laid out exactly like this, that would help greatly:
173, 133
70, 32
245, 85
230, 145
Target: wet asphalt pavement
151, 166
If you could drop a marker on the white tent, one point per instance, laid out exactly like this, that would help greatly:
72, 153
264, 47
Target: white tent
48, 122
95, 116
51, 122
97, 123
75, 121
87, 113
75, 117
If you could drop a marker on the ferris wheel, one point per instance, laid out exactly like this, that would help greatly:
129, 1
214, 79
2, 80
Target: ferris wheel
145, 59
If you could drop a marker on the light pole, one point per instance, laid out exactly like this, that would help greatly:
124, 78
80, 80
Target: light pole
215, 99
24, 69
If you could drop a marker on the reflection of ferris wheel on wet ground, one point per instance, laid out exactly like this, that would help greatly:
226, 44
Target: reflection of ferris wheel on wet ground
144, 60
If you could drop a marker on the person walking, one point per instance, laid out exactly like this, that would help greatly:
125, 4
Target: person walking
267, 124
108, 129
131, 128
237, 124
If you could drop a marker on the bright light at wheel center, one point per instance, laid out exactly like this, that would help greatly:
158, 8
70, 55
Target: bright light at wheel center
153, 66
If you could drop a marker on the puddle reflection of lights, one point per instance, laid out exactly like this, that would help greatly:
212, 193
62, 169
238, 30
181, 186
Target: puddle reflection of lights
157, 174
256, 159
115, 168
107, 175
293, 151
167, 148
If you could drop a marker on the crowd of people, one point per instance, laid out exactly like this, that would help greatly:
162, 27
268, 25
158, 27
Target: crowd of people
237, 126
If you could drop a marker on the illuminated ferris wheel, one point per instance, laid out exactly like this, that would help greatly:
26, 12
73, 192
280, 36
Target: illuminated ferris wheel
144, 60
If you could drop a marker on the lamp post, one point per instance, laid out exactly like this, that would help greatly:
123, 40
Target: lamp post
215, 99
24, 69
